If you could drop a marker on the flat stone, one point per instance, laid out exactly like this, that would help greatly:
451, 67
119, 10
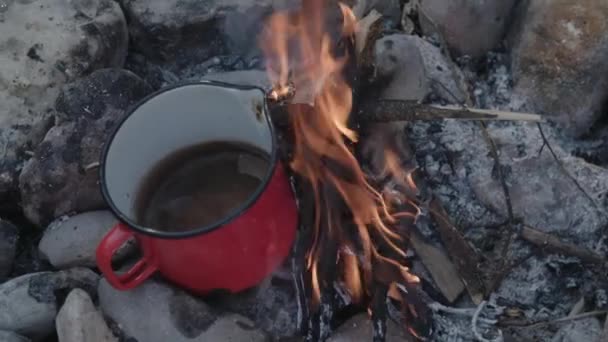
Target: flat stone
469, 27
9, 235
73, 241
9, 336
157, 312
559, 55
61, 178
45, 44
359, 328
79, 320
28, 304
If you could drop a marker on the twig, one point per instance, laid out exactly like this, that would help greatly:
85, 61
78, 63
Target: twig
554, 244
467, 312
567, 173
507, 195
400, 110
569, 318
499, 170
476, 332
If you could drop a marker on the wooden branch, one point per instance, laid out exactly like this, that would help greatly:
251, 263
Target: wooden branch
556, 245
399, 110
440, 267
463, 255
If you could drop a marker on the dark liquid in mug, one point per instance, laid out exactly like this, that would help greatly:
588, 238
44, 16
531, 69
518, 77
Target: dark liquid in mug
200, 185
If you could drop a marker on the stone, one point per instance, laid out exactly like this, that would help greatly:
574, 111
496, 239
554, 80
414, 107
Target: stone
559, 58
359, 328
469, 27
9, 235
157, 312
44, 45
195, 30
28, 304
79, 320
587, 329
62, 178
542, 195
73, 241
9, 336
414, 69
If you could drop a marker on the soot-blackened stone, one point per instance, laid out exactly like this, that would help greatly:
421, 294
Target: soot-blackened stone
91, 96
60, 41
59, 178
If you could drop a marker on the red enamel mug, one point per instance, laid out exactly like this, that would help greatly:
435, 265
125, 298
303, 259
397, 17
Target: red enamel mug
233, 254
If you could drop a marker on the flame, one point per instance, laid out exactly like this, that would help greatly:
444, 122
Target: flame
323, 156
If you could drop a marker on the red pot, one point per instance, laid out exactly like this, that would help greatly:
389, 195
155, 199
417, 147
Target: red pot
233, 254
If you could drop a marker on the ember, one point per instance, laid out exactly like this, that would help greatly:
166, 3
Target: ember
367, 247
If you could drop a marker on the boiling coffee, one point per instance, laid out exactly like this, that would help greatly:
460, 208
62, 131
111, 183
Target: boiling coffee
200, 185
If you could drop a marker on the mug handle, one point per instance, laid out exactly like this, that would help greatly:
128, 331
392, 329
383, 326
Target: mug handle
137, 274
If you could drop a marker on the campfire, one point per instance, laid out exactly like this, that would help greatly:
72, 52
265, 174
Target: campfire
417, 170
358, 236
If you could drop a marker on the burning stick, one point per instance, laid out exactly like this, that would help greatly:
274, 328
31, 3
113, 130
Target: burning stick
399, 110
282, 94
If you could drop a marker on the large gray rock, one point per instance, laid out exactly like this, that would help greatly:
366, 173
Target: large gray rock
413, 69
469, 27
559, 54
79, 320
458, 166
359, 328
61, 178
156, 312
45, 44
168, 29
9, 234
28, 304
73, 241
9, 336
458, 157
